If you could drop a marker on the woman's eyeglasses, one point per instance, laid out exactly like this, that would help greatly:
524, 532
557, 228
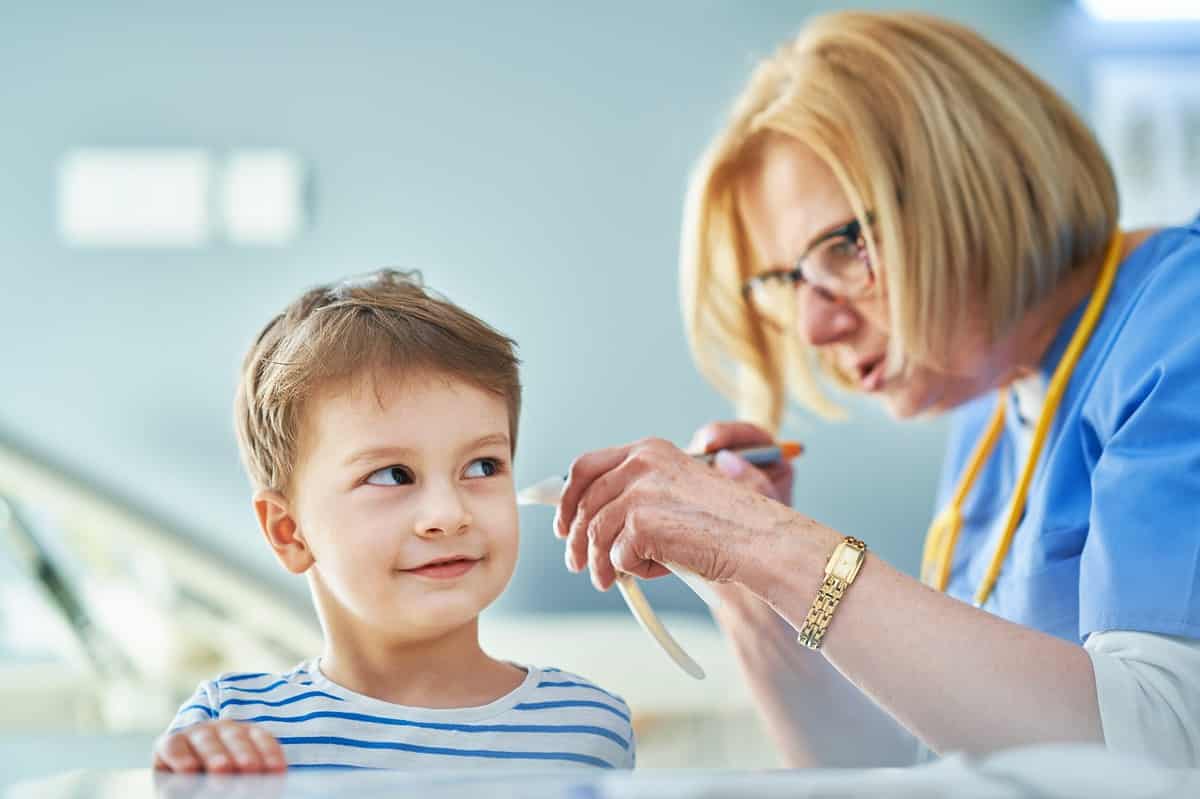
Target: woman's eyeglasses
835, 265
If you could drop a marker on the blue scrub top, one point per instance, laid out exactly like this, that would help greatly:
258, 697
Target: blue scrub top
1110, 539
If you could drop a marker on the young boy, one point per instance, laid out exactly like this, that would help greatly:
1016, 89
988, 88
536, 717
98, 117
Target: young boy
378, 425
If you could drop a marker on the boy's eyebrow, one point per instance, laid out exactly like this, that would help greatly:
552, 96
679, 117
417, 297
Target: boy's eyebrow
499, 439
378, 452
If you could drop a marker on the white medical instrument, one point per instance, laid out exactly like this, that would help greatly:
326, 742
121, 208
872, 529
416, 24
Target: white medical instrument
549, 492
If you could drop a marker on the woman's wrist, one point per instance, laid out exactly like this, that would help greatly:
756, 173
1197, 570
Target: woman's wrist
784, 565
761, 639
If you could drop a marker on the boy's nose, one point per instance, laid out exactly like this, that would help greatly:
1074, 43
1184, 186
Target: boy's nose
442, 513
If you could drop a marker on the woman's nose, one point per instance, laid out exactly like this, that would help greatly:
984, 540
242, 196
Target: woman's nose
823, 320
442, 513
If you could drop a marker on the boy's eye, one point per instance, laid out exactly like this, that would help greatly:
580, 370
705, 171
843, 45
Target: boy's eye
391, 476
482, 467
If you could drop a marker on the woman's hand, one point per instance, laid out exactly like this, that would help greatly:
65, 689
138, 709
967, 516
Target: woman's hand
222, 747
633, 507
741, 611
774, 481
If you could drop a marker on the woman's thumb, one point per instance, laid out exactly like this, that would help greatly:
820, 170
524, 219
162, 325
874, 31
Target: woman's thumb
730, 464
737, 468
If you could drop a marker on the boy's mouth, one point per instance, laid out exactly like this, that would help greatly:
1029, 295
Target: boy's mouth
445, 568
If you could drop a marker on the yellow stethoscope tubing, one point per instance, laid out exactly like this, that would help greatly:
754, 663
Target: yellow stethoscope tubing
942, 538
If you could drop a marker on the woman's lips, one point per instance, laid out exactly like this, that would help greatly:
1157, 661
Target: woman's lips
444, 569
874, 375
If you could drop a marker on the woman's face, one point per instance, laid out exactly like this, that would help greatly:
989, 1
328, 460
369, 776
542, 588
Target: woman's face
788, 202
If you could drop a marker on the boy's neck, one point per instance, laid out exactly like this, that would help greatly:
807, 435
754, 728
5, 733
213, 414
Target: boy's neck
447, 671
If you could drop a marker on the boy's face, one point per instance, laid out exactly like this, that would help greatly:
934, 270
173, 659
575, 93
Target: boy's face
403, 492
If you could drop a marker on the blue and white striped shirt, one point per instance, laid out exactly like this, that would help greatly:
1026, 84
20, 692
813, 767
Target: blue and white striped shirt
553, 719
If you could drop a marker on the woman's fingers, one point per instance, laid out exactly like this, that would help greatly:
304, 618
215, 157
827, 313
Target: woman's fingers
174, 753
717, 436
650, 503
628, 552
774, 481
603, 530
599, 515
599, 511
738, 468
780, 475
584, 470
584, 535
726, 435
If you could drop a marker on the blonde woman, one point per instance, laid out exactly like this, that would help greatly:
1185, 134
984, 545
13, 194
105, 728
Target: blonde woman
898, 206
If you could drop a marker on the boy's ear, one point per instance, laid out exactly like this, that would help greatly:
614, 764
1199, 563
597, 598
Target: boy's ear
281, 531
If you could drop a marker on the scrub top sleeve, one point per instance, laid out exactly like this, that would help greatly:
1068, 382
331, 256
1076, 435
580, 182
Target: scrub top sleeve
1140, 565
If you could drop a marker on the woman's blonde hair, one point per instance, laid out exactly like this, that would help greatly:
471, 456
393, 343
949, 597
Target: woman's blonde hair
981, 182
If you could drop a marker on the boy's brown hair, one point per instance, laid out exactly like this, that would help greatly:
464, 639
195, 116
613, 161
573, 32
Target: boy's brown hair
377, 323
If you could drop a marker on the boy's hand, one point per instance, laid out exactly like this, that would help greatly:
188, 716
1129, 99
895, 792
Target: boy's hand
221, 747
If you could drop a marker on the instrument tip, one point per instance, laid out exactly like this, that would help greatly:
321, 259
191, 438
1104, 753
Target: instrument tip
545, 492
790, 449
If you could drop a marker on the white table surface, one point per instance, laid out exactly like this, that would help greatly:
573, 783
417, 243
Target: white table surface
1041, 772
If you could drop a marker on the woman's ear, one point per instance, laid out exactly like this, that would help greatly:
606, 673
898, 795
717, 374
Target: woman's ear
282, 532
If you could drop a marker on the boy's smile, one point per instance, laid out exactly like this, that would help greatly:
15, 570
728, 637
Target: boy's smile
444, 568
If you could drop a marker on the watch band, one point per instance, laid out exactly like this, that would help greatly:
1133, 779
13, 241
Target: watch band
843, 566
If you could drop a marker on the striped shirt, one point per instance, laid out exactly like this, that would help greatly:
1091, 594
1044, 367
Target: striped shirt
553, 719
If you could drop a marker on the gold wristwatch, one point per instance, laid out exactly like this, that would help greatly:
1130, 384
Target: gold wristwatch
843, 566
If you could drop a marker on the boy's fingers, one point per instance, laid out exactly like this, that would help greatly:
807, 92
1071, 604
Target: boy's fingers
236, 739
174, 753
221, 747
269, 749
210, 750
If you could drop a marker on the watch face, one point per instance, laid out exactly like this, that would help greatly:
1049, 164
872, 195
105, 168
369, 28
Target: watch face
846, 561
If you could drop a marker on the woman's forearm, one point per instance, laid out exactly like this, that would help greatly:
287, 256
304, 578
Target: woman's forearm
958, 677
815, 716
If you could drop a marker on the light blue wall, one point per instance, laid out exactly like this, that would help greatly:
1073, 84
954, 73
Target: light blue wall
529, 157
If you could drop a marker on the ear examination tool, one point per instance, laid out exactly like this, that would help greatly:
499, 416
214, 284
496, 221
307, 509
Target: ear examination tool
549, 491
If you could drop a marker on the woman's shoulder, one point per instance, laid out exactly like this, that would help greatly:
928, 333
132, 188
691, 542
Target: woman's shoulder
1153, 336
1157, 289
1160, 251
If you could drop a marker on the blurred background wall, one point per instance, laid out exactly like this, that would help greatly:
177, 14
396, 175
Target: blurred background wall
529, 157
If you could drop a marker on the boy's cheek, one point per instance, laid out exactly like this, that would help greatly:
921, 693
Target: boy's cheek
507, 544
503, 546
